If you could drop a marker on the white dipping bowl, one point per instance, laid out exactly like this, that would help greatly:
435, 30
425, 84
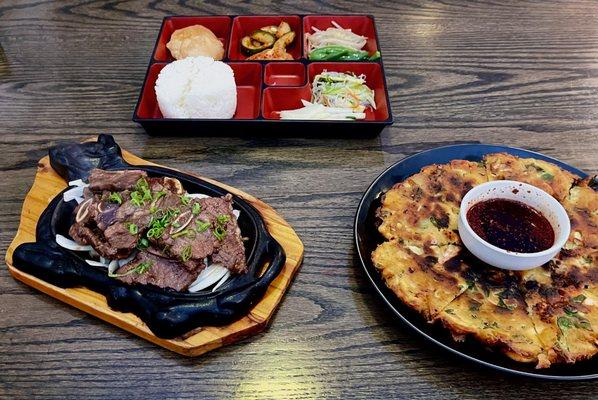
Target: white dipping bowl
526, 194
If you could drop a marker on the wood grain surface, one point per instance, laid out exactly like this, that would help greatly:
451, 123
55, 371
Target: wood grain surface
519, 73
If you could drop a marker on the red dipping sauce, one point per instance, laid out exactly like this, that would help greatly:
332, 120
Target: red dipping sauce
511, 225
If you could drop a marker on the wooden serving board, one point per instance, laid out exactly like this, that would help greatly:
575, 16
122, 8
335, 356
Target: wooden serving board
48, 184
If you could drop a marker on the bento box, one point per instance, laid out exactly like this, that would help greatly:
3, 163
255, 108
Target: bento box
264, 88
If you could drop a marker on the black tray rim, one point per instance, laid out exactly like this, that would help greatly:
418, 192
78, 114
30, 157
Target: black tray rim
260, 119
380, 287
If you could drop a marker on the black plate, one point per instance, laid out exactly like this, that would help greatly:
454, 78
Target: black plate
367, 238
167, 313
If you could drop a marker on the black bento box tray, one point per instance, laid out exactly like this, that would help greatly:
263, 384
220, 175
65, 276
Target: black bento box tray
255, 98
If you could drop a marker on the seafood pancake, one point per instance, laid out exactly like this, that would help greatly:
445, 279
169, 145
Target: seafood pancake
562, 301
545, 315
582, 206
492, 310
419, 281
425, 207
541, 174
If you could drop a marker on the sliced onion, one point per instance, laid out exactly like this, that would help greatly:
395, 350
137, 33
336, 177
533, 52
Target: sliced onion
198, 195
208, 277
205, 273
79, 200
236, 213
221, 281
113, 266
73, 193
78, 182
93, 253
127, 260
70, 244
95, 263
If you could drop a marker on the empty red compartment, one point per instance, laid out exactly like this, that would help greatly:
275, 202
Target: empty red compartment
248, 77
359, 24
373, 79
220, 26
284, 74
246, 24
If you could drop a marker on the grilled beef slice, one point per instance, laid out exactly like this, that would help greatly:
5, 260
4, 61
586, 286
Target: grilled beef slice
202, 242
84, 235
109, 224
158, 271
113, 181
112, 220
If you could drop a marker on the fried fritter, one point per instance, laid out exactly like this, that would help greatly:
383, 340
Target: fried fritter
195, 40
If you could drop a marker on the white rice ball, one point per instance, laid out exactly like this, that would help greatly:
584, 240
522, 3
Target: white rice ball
197, 87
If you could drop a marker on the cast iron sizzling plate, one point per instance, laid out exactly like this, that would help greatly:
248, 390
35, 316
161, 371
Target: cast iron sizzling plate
167, 313
367, 238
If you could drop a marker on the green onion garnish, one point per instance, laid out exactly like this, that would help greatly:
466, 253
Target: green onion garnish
579, 299
115, 198
141, 268
186, 232
196, 208
142, 243
155, 233
157, 197
219, 232
202, 226
141, 184
222, 219
186, 253
133, 229
137, 199
185, 200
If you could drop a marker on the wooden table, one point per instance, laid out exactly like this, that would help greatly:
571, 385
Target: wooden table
520, 73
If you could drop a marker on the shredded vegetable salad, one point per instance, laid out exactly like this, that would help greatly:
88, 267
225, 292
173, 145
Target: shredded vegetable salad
338, 89
335, 36
335, 96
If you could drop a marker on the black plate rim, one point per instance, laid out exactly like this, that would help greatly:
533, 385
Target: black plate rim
373, 279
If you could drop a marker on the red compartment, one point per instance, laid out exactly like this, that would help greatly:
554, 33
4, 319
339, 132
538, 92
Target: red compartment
374, 79
283, 98
219, 25
284, 74
248, 77
244, 25
359, 24
278, 99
